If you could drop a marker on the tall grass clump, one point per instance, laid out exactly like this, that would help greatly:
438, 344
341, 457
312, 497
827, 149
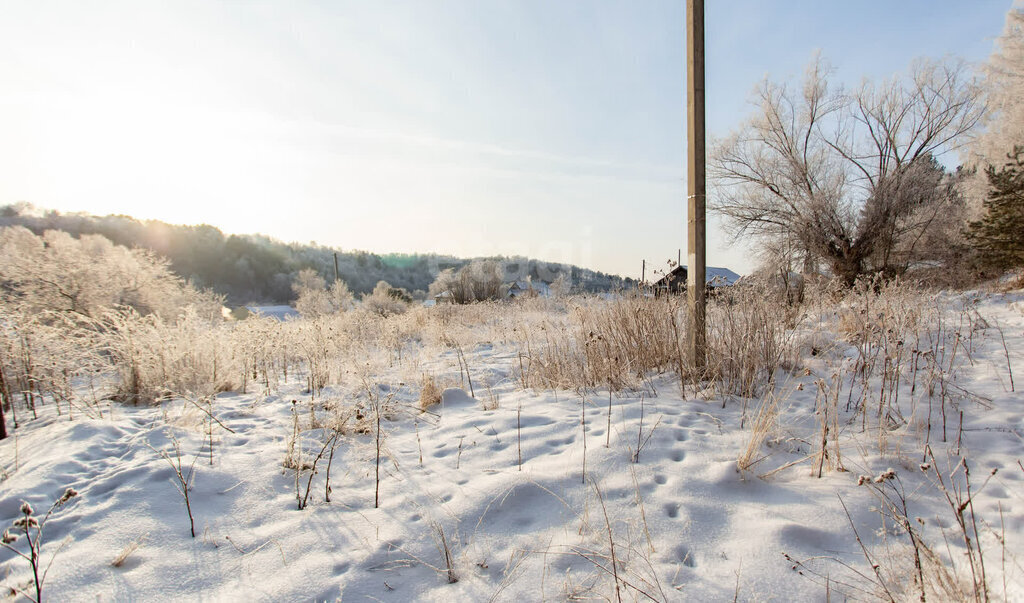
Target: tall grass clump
616, 343
604, 343
153, 358
749, 334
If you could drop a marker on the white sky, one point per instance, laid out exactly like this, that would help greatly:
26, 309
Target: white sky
552, 129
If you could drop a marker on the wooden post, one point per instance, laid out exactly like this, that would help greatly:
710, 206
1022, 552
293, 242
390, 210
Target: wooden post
337, 277
695, 181
643, 271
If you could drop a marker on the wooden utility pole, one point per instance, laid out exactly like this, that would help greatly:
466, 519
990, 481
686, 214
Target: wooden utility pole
695, 182
337, 277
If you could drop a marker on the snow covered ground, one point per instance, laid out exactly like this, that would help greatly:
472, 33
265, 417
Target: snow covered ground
532, 499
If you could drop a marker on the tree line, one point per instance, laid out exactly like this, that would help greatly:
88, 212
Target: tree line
259, 269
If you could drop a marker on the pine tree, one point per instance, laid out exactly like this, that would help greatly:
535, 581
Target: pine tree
999, 235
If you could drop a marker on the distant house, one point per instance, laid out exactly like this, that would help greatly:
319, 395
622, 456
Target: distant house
444, 297
516, 289
528, 288
675, 280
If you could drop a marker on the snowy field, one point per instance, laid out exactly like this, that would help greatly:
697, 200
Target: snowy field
518, 491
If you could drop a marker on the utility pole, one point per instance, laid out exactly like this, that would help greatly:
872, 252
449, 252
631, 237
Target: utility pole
337, 277
695, 181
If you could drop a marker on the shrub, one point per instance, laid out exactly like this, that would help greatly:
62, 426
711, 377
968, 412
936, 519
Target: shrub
386, 300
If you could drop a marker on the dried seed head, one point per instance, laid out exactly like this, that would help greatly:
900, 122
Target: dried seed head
863, 479
8, 538
925, 466
68, 495
26, 508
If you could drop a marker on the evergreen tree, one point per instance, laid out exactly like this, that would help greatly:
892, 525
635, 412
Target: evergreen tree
999, 235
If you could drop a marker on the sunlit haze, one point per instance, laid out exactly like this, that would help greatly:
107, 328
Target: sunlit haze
552, 129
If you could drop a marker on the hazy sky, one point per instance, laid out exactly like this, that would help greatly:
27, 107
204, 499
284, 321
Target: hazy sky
548, 128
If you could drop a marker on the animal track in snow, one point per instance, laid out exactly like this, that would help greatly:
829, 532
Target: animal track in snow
684, 555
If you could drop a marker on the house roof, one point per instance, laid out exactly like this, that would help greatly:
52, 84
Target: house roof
713, 276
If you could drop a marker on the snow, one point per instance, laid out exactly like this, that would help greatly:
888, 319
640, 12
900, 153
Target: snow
276, 312
686, 523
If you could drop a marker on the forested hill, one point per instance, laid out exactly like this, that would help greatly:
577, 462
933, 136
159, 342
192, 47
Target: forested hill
257, 268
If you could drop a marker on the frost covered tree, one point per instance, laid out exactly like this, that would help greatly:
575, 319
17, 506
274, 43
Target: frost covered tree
560, 286
315, 299
847, 178
85, 276
1004, 123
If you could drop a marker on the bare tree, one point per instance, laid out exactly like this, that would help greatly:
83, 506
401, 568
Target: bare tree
845, 177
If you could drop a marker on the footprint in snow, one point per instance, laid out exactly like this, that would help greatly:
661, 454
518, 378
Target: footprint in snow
684, 555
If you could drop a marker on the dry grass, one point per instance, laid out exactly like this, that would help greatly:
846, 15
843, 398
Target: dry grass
749, 337
430, 393
761, 427
126, 552
603, 343
617, 343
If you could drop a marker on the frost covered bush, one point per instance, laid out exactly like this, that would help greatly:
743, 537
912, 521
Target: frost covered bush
477, 281
40, 359
152, 358
386, 300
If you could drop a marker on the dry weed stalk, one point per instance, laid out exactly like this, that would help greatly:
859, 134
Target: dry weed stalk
31, 527
445, 550
182, 477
